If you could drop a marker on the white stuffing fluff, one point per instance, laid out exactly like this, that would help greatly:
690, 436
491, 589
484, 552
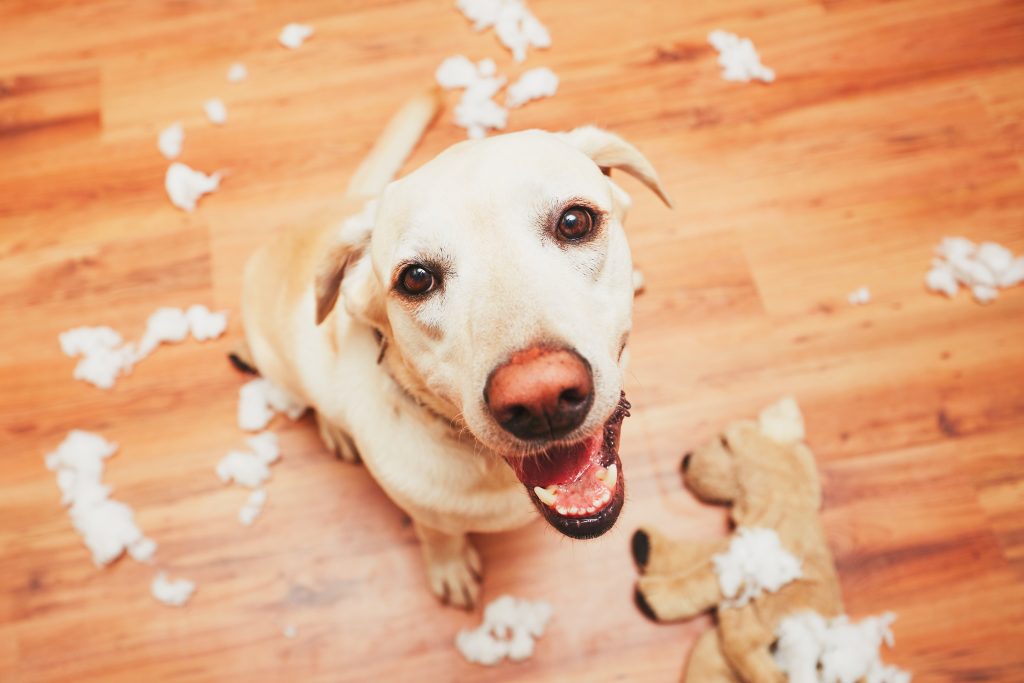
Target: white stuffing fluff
107, 526
166, 325
859, 297
811, 649
508, 630
216, 111
514, 24
260, 399
984, 268
782, 421
185, 185
174, 593
476, 111
105, 355
290, 631
755, 562
251, 468
103, 351
205, 324
171, 139
237, 72
293, 35
532, 85
738, 58
253, 507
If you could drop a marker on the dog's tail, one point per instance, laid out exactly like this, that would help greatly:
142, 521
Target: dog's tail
394, 145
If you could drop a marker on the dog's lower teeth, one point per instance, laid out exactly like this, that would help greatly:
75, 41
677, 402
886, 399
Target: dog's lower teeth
546, 496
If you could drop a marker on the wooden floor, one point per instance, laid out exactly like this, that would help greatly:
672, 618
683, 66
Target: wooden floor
891, 125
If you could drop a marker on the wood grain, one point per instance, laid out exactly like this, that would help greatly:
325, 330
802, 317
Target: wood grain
891, 125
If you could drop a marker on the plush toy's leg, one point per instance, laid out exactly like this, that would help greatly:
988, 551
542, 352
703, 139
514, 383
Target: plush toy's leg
746, 643
706, 663
656, 553
670, 597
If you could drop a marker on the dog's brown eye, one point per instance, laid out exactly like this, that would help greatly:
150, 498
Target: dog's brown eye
575, 224
416, 280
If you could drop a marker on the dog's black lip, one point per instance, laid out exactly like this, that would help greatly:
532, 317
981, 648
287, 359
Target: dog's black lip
583, 528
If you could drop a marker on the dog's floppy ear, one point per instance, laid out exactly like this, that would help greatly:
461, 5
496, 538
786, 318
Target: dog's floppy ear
346, 259
610, 151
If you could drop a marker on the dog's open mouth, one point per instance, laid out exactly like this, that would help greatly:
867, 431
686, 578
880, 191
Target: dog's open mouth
579, 488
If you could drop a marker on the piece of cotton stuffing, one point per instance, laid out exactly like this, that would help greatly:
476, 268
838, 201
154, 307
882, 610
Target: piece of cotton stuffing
185, 185
237, 73
509, 629
739, 58
755, 562
216, 111
293, 35
171, 140
532, 85
173, 593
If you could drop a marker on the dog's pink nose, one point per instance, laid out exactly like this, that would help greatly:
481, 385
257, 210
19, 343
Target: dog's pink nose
540, 393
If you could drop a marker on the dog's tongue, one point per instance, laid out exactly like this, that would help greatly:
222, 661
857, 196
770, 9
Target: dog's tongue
558, 464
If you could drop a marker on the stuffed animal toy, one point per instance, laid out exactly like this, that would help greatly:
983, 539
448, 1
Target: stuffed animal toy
776, 565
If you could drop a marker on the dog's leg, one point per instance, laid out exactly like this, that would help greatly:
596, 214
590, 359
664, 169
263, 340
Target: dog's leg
453, 566
337, 441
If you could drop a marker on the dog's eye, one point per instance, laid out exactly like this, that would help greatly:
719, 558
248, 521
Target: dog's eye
575, 224
416, 280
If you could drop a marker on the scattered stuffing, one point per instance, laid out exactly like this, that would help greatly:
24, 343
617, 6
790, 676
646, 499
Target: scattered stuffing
216, 111
509, 628
782, 421
738, 58
811, 649
107, 526
253, 507
985, 268
755, 562
237, 72
185, 185
532, 85
251, 468
290, 631
514, 24
859, 297
174, 593
476, 111
260, 399
171, 139
294, 35
205, 324
105, 355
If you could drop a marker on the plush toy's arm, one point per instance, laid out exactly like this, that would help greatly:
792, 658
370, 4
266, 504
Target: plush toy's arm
684, 595
745, 642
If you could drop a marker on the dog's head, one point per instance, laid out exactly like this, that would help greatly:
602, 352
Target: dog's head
500, 275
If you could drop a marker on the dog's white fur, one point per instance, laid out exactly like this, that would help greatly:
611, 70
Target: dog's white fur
400, 382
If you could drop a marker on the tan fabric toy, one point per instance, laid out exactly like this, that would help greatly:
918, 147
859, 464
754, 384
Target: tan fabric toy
769, 477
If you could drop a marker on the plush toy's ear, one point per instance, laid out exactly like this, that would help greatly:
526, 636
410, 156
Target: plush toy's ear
610, 151
345, 261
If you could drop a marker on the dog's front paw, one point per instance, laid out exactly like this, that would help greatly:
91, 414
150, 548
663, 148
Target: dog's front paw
454, 568
337, 441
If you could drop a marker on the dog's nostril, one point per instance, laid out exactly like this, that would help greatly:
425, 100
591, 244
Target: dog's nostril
686, 461
572, 396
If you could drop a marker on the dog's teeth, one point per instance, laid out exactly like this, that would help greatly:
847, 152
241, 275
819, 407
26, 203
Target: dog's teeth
612, 477
545, 496
601, 474
574, 510
561, 510
591, 510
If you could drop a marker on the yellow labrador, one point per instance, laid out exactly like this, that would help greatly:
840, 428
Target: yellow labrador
463, 330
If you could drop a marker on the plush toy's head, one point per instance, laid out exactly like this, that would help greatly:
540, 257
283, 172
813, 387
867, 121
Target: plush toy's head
751, 464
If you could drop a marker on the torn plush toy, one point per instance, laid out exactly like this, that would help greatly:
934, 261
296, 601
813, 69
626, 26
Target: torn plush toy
773, 584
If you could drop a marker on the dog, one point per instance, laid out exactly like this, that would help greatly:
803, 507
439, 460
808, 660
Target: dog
463, 330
